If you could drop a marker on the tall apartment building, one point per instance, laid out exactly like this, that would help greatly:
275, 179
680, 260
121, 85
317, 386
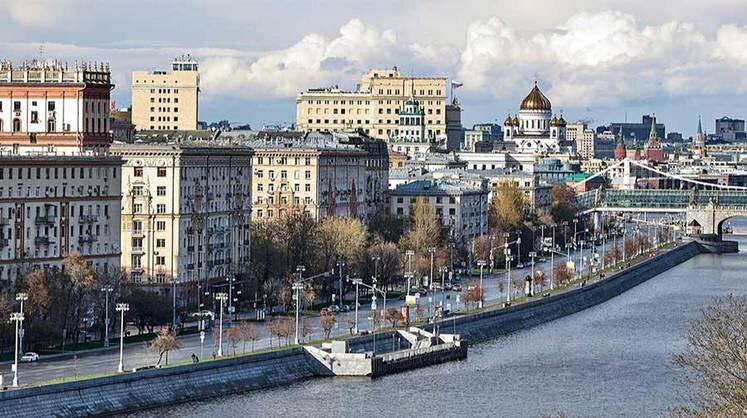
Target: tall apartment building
52, 205
374, 106
59, 192
186, 212
167, 100
48, 107
323, 174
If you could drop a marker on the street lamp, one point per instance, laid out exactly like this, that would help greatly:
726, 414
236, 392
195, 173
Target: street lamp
532, 254
121, 307
356, 282
297, 287
106, 289
340, 265
21, 297
221, 297
443, 270
16, 317
507, 252
552, 259
481, 263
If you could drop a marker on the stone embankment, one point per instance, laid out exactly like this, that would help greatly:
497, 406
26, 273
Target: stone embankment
153, 388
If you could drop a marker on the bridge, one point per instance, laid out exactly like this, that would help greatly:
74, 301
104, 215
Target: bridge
706, 206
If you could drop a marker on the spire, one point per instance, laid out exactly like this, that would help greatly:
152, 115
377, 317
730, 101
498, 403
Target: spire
700, 126
652, 134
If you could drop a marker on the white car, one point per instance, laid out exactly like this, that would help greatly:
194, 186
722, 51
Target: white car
29, 357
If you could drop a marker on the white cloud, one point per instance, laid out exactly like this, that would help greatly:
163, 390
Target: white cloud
601, 59
314, 61
40, 12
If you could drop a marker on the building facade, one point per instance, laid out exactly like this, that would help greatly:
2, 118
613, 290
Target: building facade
461, 206
374, 105
50, 108
186, 212
53, 205
730, 129
321, 174
167, 100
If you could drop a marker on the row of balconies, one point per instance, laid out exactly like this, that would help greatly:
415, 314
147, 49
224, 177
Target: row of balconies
88, 219
47, 219
87, 239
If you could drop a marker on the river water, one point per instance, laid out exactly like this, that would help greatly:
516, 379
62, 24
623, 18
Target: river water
611, 360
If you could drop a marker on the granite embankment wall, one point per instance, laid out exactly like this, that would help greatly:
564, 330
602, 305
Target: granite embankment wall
487, 325
159, 387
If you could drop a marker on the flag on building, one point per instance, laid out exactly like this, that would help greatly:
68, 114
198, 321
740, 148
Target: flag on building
456, 84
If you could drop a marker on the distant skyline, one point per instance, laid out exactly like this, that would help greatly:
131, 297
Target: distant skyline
596, 60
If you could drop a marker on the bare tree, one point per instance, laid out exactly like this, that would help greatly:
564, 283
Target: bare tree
540, 279
249, 332
328, 322
306, 328
472, 294
164, 342
562, 275
233, 335
714, 363
393, 315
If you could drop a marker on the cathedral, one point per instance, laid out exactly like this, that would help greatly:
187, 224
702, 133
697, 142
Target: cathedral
535, 129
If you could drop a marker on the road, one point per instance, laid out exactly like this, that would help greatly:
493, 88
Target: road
137, 354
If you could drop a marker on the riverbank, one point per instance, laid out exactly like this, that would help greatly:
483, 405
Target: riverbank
153, 388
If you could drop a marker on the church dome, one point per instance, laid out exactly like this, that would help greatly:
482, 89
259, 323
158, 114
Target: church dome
516, 121
562, 122
535, 100
508, 121
554, 121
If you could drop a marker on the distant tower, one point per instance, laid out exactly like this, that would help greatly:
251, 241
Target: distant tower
699, 138
620, 150
652, 149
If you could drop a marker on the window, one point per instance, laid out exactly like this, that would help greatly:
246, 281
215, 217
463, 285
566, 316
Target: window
138, 171
137, 190
16, 106
50, 106
161, 243
137, 208
161, 171
161, 191
161, 208
161, 226
34, 117
160, 260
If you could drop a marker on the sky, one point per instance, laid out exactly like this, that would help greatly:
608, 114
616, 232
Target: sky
599, 61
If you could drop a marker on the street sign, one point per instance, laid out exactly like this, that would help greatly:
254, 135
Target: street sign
202, 336
411, 300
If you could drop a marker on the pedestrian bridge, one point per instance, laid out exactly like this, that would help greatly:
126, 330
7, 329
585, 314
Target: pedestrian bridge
706, 210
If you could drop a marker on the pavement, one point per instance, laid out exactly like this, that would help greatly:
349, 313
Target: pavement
137, 354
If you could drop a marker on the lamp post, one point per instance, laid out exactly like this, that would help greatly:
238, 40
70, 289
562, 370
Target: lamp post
106, 289
443, 270
222, 297
432, 251
532, 254
409, 275
481, 264
16, 317
507, 252
581, 260
356, 282
552, 259
297, 290
21, 297
122, 308
340, 265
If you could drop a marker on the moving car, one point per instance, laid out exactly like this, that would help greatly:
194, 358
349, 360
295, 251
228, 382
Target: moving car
29, 357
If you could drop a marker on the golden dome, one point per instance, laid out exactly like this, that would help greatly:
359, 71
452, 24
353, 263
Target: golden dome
535, 100
508, 121
554, 121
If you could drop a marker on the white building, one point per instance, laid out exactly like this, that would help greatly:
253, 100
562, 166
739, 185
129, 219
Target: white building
535, 129
186, 212
46, 107
461, 205
53, 205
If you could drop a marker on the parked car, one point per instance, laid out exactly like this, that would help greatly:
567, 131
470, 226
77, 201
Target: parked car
333, 308
520, 266
29, 357
457, 288
344, 308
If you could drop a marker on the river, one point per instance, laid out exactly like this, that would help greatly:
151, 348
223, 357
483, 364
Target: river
611, 360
